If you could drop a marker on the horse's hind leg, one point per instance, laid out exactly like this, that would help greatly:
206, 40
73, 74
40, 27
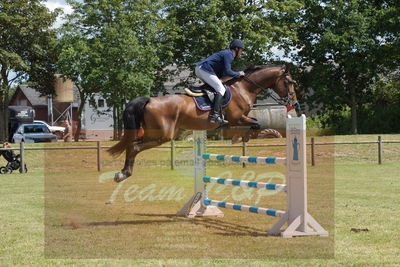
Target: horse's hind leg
127, 170
131, 152
158, 129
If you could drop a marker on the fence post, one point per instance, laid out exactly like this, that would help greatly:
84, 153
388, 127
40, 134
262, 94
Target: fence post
312, 151
379, 149
172, 154
244, 150
98, 156
22, 157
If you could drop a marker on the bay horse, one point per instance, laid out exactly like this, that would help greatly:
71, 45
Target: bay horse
150, 122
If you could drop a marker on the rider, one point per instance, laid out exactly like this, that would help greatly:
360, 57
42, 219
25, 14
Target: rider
216, 66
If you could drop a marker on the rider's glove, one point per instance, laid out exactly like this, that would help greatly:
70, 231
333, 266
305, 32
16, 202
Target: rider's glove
241, 73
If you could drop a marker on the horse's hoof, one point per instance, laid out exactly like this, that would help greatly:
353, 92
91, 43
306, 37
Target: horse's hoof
119, 177
236, 139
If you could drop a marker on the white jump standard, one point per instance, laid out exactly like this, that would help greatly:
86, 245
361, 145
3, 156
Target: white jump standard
299, 221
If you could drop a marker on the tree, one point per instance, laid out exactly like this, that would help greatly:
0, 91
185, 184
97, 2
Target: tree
26, 49
200, 28
343, 48
76, 63
381, 114
111, 48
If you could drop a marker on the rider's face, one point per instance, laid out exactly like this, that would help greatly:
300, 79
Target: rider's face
239, 52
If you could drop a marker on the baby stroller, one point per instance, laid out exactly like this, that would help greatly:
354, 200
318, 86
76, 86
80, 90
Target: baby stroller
13, 161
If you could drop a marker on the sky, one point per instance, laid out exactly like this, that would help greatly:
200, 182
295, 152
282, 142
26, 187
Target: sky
53, 4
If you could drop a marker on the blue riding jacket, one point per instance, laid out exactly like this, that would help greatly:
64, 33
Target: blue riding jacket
219, 64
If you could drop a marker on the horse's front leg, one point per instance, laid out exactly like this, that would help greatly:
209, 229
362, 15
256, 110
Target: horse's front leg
247, 121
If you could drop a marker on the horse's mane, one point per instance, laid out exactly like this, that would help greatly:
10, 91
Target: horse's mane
255, 68
252, 69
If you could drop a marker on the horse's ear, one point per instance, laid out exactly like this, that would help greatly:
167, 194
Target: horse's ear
287, 68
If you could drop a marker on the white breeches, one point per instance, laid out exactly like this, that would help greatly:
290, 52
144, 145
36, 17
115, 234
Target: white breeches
210, 79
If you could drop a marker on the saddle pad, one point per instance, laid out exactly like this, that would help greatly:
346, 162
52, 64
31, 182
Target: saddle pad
203, 103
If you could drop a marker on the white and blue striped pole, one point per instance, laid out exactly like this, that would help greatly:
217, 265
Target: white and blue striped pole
244, 159
246, 208
244, 183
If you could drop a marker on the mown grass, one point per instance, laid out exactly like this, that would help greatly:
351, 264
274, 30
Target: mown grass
366, 197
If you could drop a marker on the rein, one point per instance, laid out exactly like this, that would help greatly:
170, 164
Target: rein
280, 100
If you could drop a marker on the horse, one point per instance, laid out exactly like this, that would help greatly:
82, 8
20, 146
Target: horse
152, 121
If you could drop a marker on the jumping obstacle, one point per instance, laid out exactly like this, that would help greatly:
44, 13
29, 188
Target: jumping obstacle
299, 221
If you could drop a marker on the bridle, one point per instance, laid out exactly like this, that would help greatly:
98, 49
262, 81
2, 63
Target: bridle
282, 100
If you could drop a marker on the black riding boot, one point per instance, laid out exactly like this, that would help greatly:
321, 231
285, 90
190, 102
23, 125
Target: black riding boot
216, 116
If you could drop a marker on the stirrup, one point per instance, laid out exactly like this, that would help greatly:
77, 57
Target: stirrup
216, 118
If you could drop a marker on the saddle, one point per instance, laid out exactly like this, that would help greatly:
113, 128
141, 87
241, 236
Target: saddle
204, 96
202, 90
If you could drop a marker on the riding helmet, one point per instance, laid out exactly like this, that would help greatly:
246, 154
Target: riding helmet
236, 43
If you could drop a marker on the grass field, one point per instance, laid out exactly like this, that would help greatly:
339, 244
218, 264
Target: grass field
63, 212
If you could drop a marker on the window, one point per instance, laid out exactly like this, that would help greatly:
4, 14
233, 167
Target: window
22, 102
92, 103
100, 103
36, 129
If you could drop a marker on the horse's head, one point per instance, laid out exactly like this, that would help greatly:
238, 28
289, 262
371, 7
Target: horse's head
279, 79
284, 87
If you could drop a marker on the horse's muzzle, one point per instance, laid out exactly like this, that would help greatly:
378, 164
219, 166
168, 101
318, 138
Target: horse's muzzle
297, 108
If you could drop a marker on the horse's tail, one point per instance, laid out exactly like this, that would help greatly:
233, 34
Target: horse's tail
132, 118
